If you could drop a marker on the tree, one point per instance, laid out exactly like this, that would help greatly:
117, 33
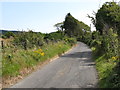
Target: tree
108, 16
93, 20
70, 25
59, 26
73, 27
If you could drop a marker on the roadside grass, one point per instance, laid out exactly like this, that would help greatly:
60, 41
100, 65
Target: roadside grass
13, 62
107, 72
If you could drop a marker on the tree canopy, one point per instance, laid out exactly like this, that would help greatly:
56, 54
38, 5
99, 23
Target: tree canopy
108, 16
73, 27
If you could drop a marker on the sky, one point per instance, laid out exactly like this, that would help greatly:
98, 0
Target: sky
42, 15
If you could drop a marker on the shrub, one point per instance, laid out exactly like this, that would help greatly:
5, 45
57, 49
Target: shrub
29, 40
72, 41
9, 34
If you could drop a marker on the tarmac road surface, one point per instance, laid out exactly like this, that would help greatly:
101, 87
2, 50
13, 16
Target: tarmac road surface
75, 69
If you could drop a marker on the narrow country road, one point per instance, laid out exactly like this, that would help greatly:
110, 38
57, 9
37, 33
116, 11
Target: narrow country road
75, 69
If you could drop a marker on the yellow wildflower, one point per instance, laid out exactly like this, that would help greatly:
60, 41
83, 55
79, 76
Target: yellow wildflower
42, 54
40, 50
114, 58
93, 48
36, 51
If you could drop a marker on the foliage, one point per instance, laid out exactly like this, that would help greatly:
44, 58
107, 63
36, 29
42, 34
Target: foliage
28, 49
8, 35
70, 25
110, 44
72, 41
108, 16
59, 26
73, 27
3, 36
105, 44
108, 76
105, 51
87, 38
29, 39
54, 36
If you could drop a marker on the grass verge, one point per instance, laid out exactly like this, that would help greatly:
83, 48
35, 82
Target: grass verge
14, 62
107, 71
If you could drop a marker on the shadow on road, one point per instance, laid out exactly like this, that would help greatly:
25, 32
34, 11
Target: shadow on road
86, 54
84, 57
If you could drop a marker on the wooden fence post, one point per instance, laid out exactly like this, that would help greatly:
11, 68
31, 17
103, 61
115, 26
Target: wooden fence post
2, 44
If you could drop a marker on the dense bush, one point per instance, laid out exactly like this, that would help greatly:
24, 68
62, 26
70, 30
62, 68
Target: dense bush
3, 36
8, 35
110, 44
72, 41
29, 39
106, 44
54, 36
